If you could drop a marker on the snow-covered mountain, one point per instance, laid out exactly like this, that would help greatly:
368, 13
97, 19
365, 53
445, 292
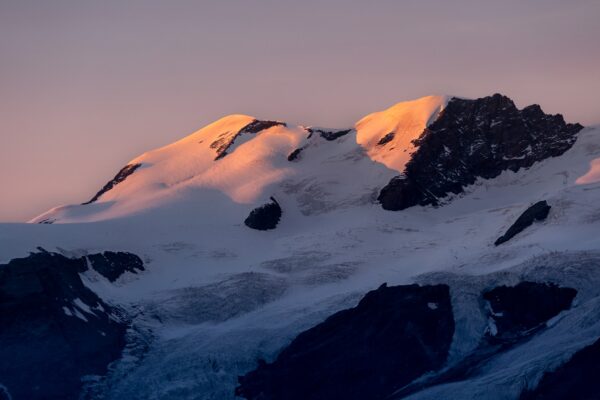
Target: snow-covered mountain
245, 161
230, 252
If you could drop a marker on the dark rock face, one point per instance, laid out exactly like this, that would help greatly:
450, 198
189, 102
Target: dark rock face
329, 135
112, 265
537, 212
516, 313
260, 125
120, 177
393, 336
472, 139
53, 329
294, 155
519, 309
264, 217
222, 143
578, 378
226, 139
386, 139
401, 193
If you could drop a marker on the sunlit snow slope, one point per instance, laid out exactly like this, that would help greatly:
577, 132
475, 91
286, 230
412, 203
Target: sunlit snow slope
388, 135
254, 165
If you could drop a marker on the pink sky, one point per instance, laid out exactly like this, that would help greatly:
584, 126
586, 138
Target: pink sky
86, 86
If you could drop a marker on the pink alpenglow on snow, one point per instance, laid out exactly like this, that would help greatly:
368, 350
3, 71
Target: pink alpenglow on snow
593, 175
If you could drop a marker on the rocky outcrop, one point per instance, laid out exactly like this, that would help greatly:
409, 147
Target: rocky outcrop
515, 314
223, 142
386, 139
264, 217
384, 346
537, 212
294, 155
329, 135
578, 378
112, 265
53, 329
516, 311
120, 177
226, 139
260, 125
393, 336
473, 139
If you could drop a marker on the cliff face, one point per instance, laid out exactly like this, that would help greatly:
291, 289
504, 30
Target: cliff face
476, 139
392, 336
53, 329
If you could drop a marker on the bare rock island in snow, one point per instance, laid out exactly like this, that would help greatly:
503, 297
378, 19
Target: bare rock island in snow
536, 212
264, 217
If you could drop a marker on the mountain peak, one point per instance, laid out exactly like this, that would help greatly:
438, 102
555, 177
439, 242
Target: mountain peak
388, 135
473, 139
439, 145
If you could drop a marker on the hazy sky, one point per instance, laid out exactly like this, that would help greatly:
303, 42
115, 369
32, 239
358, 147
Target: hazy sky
87, 85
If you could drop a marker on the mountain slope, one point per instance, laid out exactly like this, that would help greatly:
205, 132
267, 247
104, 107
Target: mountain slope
388, 135
217, 296
476, 139
440, 145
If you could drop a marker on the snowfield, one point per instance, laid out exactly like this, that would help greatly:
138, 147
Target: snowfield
216, 295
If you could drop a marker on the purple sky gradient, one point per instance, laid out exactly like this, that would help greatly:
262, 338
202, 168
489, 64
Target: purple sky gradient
87, 85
